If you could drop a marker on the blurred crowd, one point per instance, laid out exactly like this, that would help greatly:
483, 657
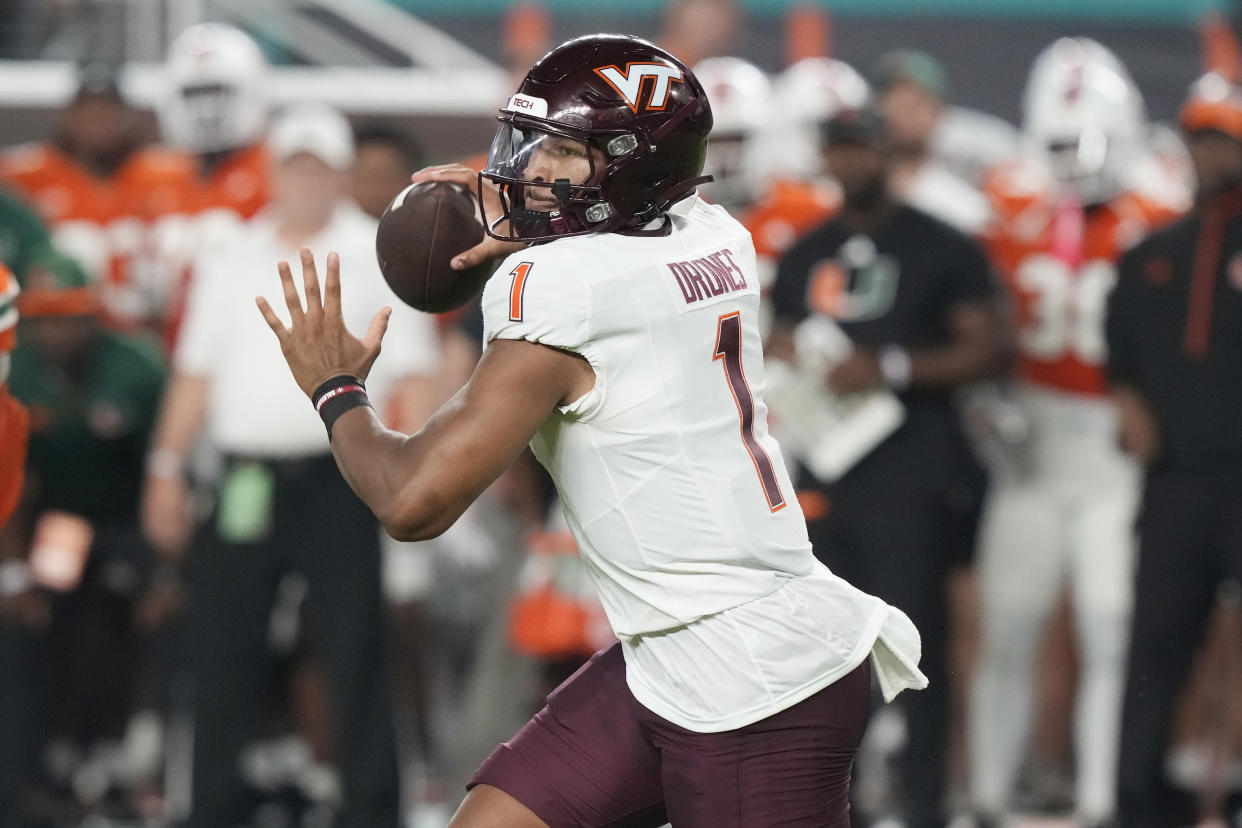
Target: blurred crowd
1005, 360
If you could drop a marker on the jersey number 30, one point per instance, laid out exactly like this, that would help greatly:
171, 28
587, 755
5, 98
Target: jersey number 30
729, 353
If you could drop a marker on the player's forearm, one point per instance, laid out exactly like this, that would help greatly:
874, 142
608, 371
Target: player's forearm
414, 496
953, 366
979, 349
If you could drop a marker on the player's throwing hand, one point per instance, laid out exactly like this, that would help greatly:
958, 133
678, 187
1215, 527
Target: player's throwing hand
490, 247
317, 345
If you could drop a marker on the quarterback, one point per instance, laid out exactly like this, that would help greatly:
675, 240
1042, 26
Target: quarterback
622, 345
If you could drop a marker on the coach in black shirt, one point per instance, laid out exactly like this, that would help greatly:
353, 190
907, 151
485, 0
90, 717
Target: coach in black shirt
917, 298
1175, 366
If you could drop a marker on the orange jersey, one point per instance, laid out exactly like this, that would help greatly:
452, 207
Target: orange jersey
783, 214
240, 183
61, 190
1058, 263
14, 422
210, 207
101, 221
786, 211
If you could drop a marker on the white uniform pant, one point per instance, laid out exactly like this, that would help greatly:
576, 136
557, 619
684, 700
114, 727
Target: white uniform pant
1068, 516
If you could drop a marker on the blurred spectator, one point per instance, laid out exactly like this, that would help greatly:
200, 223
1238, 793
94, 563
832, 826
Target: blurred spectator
1174, 340
799, 193
24, 239
92, 396
916, 298
17, 747
97, 187
271, 515
213, 111
14, 422
384, 159
695, 30
911, 89
1062, 509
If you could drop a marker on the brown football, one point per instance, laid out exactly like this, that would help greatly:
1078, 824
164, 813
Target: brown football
426, 225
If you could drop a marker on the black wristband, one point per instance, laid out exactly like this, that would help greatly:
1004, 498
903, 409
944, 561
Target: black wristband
336, 396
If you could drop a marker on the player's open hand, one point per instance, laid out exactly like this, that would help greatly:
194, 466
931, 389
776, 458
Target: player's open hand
317, 345
489, 248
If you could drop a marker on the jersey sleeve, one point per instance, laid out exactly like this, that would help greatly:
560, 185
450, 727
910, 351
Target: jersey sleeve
541, 297
23, 237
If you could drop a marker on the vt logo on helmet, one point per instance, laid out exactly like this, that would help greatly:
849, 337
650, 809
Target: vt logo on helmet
588, 146
629, 83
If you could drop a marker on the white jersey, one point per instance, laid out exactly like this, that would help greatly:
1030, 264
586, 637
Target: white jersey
677, 495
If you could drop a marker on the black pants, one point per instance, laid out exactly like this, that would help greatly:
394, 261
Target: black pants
23, 712
896, 525
322, 530
1190, 540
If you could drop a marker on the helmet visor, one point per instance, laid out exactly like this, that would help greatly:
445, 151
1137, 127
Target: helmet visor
548, 180
533, 155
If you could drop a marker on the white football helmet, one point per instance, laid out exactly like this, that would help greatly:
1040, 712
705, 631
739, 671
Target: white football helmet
216, 99
1084, 114
741, 98
807, 94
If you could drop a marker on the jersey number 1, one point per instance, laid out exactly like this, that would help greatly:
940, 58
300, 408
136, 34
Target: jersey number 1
729, 352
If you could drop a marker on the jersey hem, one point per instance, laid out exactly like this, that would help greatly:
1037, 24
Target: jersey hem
866, 643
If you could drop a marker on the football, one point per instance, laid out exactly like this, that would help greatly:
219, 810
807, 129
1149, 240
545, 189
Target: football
426, 225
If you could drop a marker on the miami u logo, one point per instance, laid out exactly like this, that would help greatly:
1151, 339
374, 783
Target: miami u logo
629, 83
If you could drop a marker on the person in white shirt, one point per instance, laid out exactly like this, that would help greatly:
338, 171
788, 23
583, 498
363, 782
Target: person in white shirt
280, 504
623, 347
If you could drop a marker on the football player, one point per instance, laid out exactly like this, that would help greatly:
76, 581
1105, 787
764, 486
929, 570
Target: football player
214, 112
98, 189
14, 422
741, 100
1064, 216
801, 195
622, 345
911, 90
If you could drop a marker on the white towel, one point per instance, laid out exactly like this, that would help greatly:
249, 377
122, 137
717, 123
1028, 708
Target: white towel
896, 654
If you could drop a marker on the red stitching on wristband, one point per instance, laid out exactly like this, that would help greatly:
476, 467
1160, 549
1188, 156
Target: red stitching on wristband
336, 392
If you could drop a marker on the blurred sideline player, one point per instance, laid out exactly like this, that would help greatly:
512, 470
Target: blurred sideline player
214, 112
98, 188
801, 194
916, 299
1065, 510
751, 661
741, 99
14, 422
263, 528
15, 741
384, 159
1173, 326
911, 89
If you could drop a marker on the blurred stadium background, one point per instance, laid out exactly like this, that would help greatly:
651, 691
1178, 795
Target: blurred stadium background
440, 65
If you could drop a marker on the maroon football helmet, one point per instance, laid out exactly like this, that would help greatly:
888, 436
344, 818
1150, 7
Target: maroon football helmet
631, 120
